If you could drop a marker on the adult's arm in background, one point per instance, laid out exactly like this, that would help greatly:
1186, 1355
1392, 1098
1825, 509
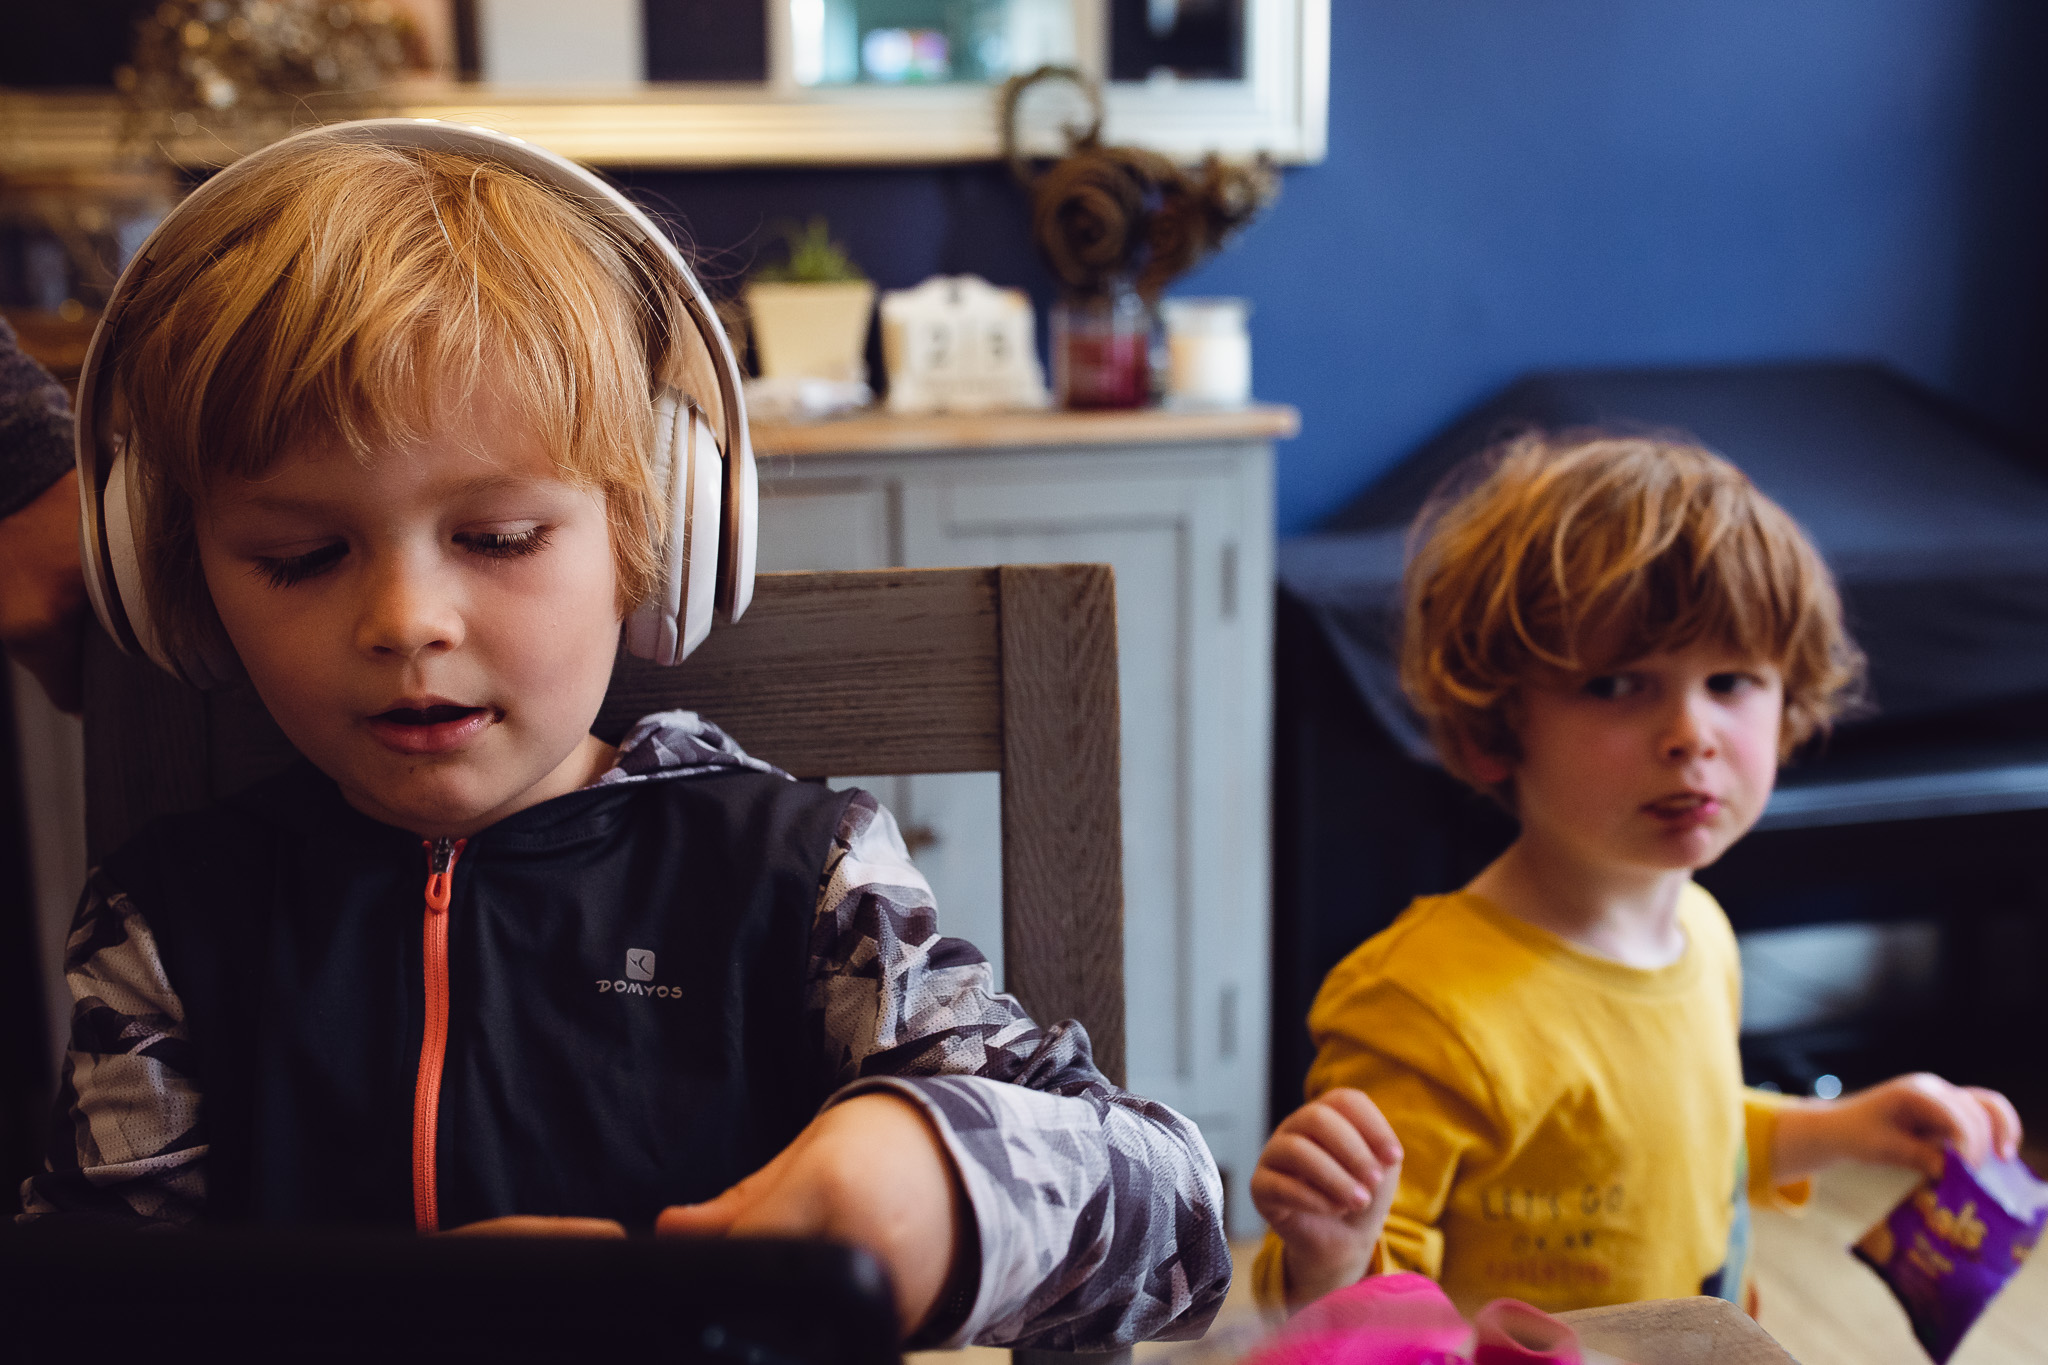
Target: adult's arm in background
42, 587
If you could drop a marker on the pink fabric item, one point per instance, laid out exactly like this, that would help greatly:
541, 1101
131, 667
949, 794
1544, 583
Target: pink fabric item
1379, 1300
1405, 1319
1382, 1320
1511, 1332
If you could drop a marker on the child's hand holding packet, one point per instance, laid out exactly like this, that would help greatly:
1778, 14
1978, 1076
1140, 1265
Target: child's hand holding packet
1951, 1245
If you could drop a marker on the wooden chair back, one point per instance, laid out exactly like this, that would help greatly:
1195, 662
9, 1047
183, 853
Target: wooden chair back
894, 671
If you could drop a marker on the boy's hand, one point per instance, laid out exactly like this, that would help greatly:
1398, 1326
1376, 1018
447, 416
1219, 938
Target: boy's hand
1325, 1182
1905, 1121
870, 1172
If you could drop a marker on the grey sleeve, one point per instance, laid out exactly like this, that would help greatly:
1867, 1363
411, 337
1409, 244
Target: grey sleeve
126, 1143
35, 427
1098, 1213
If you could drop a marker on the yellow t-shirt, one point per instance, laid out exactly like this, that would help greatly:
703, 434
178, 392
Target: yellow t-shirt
1574, 1129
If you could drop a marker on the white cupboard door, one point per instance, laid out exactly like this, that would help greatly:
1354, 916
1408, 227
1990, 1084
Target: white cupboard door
818, 525
1194, 837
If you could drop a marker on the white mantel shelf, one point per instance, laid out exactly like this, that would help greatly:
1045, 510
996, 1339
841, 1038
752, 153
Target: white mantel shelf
882, 433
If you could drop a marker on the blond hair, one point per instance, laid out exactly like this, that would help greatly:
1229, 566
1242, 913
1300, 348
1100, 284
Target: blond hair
1569, 556
368, 291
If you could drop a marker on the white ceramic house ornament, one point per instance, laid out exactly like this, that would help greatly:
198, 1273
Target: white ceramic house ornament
956, 343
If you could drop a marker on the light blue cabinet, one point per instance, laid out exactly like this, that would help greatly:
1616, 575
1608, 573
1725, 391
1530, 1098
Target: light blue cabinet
1181, 506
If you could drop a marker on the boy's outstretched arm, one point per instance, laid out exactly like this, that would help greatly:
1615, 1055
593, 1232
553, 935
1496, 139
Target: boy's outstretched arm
871, 1171
1905, 1121
1092, 1218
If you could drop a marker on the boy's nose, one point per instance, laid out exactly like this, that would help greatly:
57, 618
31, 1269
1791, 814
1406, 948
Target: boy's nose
1687, 734
405, 615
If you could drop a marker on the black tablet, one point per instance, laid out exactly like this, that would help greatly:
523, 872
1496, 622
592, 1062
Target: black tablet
380, 1299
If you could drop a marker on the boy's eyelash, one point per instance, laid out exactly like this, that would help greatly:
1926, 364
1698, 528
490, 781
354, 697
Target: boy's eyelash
294, 569
283, 573
506, 544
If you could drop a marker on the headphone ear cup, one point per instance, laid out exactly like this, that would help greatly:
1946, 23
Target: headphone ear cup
120, 505
124, 563
707, 516
650, 629
741, 526
688, 474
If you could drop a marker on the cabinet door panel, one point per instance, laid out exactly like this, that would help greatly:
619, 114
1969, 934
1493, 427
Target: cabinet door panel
818, 525
954, 822
1142, 527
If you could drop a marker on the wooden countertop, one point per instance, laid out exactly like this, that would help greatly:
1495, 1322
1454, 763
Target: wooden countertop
880, 433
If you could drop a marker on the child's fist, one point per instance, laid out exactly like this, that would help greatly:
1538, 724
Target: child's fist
1325, 1182
1905, 1121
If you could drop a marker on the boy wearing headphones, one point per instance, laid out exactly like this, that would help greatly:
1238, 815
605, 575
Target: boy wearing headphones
377, 413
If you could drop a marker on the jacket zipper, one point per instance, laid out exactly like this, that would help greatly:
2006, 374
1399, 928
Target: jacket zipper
426, 1100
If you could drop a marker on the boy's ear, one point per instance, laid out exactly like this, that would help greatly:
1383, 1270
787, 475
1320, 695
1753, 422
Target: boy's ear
1489, 768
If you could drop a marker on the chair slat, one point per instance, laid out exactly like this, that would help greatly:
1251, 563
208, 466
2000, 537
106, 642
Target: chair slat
837, 673
1063, 898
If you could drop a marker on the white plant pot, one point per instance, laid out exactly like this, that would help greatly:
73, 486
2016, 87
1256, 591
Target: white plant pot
812, 331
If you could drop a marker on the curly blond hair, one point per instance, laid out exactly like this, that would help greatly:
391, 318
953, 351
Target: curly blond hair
370, 291
1558, 558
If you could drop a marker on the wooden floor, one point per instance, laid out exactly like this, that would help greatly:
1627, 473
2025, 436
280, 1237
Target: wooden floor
1825, 1307
1822, 1304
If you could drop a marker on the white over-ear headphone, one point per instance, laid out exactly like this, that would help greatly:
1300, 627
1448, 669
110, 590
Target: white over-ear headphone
707, 566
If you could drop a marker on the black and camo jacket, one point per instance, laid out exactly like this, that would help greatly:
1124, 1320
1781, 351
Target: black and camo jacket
1097, 1212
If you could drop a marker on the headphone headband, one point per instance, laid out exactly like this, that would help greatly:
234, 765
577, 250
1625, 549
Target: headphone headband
110, 504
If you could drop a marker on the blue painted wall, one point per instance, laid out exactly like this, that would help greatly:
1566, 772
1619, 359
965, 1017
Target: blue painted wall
1520, 184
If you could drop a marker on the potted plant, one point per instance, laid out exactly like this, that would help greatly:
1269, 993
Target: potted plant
810, 315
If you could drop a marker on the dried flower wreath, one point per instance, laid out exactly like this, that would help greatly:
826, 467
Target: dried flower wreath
246, 72
1105, 215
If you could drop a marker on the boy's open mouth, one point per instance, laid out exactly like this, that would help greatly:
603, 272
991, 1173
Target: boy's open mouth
427, 715
1684, 807
438, 727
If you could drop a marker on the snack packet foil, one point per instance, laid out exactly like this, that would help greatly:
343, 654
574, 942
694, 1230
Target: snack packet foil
1951, 1245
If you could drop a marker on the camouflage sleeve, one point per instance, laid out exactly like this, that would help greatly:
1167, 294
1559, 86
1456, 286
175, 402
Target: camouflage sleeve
125, 1142
1099, 1214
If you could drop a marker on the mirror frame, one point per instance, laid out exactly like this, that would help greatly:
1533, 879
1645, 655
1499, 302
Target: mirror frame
1281, 108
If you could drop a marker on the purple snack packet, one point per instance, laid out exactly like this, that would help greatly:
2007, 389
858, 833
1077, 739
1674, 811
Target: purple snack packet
1951, 1245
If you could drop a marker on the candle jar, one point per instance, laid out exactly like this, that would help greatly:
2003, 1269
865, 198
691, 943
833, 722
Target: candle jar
1208, 352
1101, 349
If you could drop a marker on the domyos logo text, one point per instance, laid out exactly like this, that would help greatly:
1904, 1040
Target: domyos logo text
639, 978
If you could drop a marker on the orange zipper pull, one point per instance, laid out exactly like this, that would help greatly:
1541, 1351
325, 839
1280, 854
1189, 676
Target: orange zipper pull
426, 1099
441, 856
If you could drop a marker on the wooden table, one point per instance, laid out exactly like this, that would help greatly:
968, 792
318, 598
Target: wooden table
1678, 1332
